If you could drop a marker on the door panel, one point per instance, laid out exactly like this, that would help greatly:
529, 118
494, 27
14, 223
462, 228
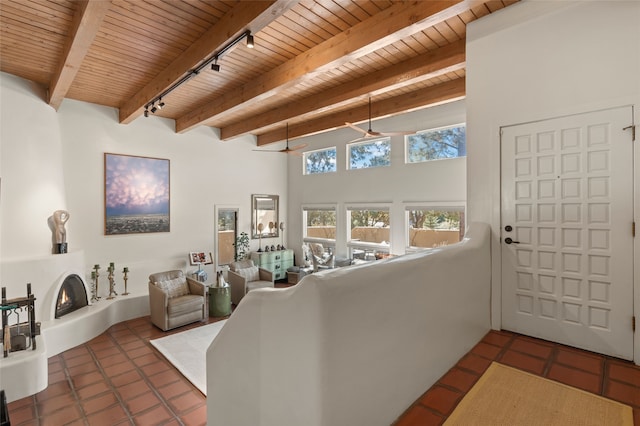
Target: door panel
567, 194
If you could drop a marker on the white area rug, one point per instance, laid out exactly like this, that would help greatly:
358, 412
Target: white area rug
187, 351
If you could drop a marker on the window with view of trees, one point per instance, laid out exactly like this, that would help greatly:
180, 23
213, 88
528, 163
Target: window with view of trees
447, 142
320, 161
369, 231
319, 223
368, 154
434, 227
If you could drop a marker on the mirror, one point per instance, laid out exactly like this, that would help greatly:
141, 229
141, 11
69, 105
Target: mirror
264, 210
226, 233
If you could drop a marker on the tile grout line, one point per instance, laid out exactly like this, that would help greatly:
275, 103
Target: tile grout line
145, 378
108, 380
461, 393
605, 376
551, 359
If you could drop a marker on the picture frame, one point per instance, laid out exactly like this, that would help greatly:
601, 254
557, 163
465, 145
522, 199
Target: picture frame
200, 258
136, 194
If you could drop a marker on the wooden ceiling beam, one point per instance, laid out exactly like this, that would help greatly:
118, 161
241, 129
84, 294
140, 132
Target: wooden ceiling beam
84, 27
427, 97
432, 64
390, 25
247, 15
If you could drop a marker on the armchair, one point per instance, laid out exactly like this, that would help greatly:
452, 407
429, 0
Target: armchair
320, 258
245, 276
175, 300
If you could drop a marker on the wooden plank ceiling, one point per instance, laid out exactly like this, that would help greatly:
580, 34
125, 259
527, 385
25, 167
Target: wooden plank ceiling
315, 64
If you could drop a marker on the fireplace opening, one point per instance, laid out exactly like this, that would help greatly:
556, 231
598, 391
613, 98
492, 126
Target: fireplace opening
72, 296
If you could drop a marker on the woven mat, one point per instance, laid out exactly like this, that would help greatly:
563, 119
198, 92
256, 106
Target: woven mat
507, 396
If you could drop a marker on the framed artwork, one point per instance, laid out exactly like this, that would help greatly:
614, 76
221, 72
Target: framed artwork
136, 194
200, 258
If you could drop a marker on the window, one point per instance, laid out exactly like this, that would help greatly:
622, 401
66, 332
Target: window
446, 142
319, 224
369, 231
320, 161
363, 155
434, 226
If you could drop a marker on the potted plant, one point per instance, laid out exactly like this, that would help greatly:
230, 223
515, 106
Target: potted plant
242, 246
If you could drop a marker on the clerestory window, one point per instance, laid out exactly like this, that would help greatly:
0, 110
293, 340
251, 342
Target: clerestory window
436, 144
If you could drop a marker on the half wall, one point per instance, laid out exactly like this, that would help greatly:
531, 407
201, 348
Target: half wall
354, 345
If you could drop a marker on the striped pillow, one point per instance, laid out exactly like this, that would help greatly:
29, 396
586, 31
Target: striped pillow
251, 273
175, 287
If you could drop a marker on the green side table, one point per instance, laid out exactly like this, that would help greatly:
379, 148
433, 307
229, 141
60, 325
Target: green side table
219, 301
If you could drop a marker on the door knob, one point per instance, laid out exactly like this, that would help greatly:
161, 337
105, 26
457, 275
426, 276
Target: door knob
510, 241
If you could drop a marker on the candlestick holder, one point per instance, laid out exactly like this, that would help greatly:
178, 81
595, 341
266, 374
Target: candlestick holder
95, 275
112, 285
282, 234
125, 278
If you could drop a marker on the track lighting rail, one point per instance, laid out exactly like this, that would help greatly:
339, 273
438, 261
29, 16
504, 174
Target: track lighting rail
212, 60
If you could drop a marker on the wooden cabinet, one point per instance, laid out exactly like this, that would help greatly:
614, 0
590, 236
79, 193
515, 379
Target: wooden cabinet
275, 261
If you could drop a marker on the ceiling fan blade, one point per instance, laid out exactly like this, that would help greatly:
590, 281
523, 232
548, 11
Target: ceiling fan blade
284, 150
354, 127
301, 146
372, 134
396, 133
360, 139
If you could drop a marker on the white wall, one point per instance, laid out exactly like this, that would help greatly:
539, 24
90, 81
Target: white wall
442, 180
537, 60
54, 160
30, 162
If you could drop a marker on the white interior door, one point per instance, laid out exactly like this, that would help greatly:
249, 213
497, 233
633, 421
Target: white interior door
566, 232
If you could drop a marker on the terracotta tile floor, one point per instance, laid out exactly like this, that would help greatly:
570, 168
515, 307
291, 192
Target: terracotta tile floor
602, 375
118, 378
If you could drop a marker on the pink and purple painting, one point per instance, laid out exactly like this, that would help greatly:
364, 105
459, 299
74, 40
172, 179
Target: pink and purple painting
136, 194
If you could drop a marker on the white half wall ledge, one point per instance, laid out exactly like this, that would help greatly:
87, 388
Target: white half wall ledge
25, 373
354, 345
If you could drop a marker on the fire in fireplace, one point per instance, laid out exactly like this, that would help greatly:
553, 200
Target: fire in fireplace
72, 296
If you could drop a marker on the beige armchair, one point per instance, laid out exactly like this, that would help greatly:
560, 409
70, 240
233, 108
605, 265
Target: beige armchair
175, 300
321, 259
244, 276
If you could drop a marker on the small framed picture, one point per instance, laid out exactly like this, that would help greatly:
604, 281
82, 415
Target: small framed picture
200, 258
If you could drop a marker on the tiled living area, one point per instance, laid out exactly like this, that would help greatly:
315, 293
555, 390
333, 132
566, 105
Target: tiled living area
118, 378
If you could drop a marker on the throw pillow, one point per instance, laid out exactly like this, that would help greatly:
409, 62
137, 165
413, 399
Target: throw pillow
306, 254
240, 264
251, 273
326, 261
317, 249
175, 287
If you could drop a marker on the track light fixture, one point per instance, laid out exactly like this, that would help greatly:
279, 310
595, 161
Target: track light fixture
212, 60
